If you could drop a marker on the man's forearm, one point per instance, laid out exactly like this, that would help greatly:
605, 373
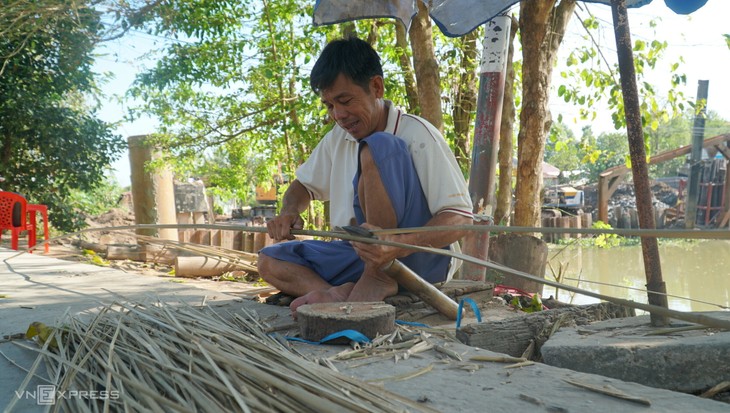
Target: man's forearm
296, 199
437, 239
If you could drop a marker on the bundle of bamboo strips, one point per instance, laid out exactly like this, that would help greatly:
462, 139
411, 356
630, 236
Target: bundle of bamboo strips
158, 357
241, 259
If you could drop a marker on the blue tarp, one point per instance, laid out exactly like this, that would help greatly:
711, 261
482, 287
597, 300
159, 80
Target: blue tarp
454, 17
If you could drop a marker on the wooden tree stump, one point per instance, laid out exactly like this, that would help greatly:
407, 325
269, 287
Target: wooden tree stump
317, 321
520, 252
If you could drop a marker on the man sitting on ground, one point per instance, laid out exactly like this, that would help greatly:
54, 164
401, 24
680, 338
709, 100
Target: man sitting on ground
379, 168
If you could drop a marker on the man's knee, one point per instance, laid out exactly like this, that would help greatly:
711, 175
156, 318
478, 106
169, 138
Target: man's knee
367, 163
266, 266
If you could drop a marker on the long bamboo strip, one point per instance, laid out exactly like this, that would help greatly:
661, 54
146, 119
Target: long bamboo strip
655, 233
643, 290
698, 234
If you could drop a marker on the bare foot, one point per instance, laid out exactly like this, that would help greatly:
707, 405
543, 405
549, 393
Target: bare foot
330, 295
373, 286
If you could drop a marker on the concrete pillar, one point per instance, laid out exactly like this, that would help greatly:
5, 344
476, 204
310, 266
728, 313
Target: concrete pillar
698, 135
153, 193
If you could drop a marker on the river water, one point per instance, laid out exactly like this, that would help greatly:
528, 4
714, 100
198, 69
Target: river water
699, 270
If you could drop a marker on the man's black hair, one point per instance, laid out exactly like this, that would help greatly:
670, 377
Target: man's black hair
353, 57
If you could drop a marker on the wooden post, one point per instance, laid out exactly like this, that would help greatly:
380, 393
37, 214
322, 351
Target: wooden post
215, 238
259, 241
649, 246
248, 242
545, 223
575, 223
482, 180
200, 236
185, 234
726, 188
233, 240
564, 222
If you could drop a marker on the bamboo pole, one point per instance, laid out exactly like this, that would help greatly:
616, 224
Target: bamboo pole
690, 317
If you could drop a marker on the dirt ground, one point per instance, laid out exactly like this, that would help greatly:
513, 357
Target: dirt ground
116, 217
81, 247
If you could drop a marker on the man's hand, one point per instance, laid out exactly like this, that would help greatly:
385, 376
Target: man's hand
375, 254
280, 227
296, 200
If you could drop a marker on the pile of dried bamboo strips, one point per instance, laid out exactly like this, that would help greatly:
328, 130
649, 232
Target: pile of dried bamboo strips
184, 359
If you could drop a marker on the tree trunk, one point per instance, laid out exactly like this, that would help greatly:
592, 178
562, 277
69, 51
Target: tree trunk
348, 29
504, 186
401, 41
542, 27
427, 68
522, 253
465, 98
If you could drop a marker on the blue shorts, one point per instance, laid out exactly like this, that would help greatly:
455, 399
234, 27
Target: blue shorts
336, 261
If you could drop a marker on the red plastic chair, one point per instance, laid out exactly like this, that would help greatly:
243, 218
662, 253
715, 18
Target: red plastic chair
24, 218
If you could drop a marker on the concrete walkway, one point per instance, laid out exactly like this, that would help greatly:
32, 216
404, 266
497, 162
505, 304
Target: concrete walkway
38, 288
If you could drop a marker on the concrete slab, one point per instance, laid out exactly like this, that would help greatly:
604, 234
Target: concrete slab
38, 288
627, 349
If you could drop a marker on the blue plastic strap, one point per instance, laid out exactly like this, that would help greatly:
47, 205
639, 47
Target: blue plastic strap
474, 308
411, 323
352, 335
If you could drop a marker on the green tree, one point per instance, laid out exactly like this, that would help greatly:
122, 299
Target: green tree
604, 151
51, 141
237, 83
240, 84
677, 133
562, 149
592, 81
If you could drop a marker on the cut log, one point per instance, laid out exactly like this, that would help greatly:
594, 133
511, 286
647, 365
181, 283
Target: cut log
520, 252
190, 267
125, 252
142, 253
93, 246
317, 321
513, 335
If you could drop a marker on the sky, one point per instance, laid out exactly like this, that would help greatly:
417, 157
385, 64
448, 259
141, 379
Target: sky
697, 38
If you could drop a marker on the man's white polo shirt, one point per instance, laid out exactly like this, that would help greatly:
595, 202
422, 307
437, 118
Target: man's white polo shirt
329, 171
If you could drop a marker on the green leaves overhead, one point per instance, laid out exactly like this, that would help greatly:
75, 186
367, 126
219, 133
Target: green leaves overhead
592, 80
233, 90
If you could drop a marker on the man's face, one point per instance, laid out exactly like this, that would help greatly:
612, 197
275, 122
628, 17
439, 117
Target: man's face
361, 113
